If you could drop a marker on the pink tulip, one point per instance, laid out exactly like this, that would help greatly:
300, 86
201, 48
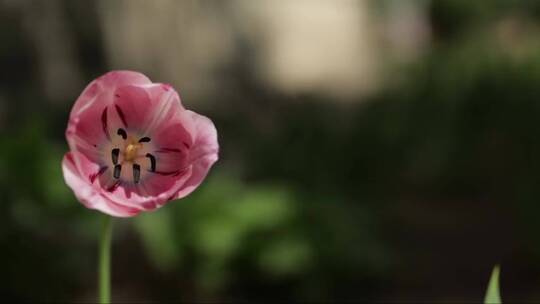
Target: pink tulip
134, 147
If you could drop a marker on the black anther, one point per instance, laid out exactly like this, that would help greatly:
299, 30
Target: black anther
152, 162
144, 139
114, 153
136, 173
122, 133
117, 170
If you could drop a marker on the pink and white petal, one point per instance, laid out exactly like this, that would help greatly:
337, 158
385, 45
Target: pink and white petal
151, 193
87, 98
165, 106
132, 107
104, 86
199, 170
115, 79
203, 154
176, 133
77, 144
205, 139
87, 194
117, 210
91, 126
164, 186
170, 161
171, 148
159, 91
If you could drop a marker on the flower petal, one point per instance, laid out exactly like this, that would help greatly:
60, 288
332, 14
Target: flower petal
88, 130
165, 106
203, 154
86, 193
94, 111
106, 84
132, 107
151, 193
172, 141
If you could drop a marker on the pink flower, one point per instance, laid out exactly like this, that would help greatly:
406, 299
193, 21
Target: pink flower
134, 147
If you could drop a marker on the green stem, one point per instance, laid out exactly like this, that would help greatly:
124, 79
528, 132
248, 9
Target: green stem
104, 278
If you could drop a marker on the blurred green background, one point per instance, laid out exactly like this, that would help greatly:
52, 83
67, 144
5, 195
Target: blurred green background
370, 150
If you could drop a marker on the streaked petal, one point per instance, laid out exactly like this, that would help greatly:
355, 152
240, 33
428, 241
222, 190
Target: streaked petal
203, 154
87, 194
104, 87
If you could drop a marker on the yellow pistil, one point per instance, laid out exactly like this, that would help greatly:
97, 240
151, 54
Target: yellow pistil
132, 151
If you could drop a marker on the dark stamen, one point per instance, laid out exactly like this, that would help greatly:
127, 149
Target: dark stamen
122, 133
117, 170
144, 139
115, 152
136, 173
152, 162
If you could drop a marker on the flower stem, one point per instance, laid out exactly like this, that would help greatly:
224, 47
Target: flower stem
104, 277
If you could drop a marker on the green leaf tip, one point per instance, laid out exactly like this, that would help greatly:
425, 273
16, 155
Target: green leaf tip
493, 295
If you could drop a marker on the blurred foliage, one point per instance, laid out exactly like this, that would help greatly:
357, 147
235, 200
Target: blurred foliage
227, 224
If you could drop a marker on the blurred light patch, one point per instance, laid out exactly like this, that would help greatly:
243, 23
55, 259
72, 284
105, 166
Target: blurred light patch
184, 42
307, 46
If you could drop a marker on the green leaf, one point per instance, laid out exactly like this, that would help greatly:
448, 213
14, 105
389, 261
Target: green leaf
493, 295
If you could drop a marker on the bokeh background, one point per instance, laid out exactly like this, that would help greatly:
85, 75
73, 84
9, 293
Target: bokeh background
384, 150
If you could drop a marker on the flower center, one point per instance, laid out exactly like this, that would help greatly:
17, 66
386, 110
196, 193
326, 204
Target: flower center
131, 154
132, 151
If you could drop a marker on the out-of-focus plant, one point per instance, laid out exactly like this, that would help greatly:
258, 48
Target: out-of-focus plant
221, 222
493, 295
256, 228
